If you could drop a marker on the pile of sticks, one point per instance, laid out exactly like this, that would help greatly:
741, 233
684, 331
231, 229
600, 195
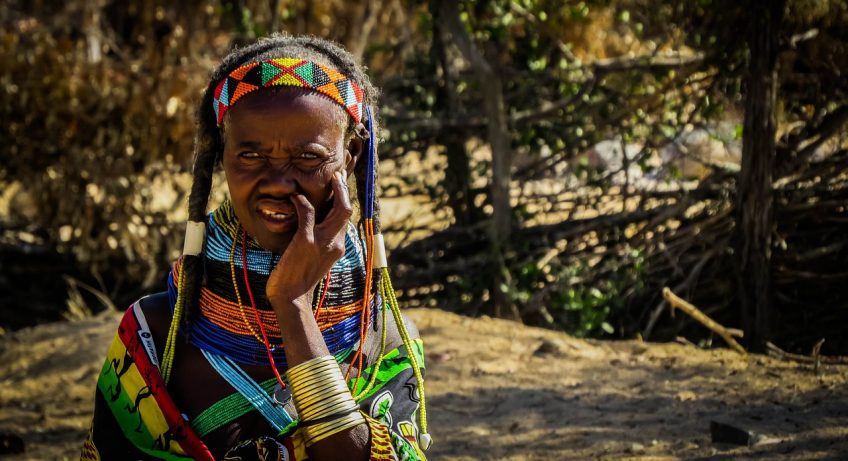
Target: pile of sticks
680, 238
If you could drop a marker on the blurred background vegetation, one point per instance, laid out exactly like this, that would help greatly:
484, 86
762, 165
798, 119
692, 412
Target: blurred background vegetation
554, 162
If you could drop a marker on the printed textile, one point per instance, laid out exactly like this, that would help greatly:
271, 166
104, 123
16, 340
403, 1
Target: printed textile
136, 418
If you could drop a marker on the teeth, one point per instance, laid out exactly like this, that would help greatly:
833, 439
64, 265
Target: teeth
275, 215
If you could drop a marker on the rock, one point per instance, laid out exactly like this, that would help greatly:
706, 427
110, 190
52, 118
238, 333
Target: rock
686, 396
728, 433
439, 357
548, 347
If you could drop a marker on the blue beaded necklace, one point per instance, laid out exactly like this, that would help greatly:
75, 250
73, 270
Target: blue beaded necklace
345, 288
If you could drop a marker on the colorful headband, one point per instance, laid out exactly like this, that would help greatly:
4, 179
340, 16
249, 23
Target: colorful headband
293, 72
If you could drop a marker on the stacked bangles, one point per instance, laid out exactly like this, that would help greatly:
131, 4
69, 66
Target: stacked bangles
323, 401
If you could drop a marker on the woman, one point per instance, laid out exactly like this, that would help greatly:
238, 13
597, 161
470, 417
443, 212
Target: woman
279, 336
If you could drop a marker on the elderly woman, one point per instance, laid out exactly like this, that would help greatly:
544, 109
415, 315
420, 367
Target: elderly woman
279, 336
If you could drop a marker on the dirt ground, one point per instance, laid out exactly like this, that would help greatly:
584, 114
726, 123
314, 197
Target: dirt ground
498, 390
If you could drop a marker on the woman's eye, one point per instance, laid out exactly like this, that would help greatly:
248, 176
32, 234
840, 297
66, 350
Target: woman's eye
309, 156
248, 155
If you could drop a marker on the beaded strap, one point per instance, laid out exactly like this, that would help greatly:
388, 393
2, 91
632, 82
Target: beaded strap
276, 415
391, 301
236, 405
227, 410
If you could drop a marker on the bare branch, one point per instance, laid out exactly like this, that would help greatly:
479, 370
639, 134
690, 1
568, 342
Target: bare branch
694, 312
649, 63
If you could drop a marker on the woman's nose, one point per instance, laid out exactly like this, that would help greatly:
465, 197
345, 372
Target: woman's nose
277, 179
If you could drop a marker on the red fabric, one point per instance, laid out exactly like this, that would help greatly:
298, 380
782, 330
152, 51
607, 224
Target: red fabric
128, 331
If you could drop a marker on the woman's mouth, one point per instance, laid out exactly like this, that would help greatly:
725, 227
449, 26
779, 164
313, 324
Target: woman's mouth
277, 220
275, 215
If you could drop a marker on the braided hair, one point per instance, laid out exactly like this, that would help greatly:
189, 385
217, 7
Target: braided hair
209, 143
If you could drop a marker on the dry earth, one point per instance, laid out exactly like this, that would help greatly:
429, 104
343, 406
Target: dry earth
498, 390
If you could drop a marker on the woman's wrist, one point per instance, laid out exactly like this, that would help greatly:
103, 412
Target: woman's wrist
299, 329
284, 303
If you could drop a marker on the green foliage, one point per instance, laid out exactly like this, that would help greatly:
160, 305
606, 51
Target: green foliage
559, 105
581, 302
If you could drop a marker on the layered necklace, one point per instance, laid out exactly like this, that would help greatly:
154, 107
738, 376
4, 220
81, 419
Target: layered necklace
236, 320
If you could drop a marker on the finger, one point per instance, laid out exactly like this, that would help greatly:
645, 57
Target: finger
341, 210
305, 214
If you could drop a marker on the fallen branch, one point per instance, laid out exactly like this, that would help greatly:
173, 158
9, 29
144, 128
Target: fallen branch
726, 333
779, 353
693, 276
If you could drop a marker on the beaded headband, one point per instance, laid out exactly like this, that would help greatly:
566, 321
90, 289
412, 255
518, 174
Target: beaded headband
294, 72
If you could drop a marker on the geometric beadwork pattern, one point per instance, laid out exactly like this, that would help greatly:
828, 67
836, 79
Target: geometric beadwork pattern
288, 72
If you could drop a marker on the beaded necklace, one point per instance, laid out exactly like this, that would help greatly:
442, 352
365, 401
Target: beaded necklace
223, 327
282, 391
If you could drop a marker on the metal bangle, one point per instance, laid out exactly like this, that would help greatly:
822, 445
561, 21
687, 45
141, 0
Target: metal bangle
330, 418
316, 363
314, 434
324, 410
315, 400
318, 377
328, 390
317, 369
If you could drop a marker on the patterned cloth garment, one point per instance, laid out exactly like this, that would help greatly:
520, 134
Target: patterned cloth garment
136, 418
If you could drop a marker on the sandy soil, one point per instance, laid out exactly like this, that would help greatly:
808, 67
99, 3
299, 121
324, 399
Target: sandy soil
498, 390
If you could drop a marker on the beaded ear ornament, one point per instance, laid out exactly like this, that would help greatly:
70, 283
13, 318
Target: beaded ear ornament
296, 72
376, 259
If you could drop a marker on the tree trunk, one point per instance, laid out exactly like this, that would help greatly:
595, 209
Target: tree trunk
364, 19
458, 173
754, 198
273, 15
497, 136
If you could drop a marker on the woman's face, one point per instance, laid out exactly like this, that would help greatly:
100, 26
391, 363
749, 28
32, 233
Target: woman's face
281, 143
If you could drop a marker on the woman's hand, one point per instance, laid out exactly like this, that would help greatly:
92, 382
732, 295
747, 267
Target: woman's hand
313, 249
310, 255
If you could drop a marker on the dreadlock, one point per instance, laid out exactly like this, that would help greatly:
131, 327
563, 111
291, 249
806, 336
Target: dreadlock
209, 143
